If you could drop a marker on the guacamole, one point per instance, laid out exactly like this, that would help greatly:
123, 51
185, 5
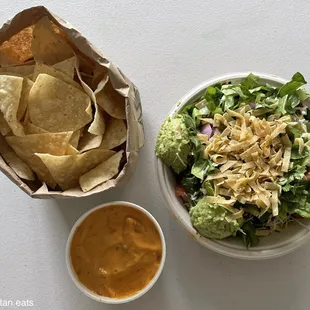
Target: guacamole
210, 220
173, 144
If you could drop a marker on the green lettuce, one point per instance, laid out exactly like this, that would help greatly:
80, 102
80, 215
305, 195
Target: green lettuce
202, 168
296, 82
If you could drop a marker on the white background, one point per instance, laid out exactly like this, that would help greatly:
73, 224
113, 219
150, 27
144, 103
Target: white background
165, 47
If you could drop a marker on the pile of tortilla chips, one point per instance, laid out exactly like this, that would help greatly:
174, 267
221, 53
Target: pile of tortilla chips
61, 121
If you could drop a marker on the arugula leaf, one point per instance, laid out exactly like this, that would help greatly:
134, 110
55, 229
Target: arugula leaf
291, 86
250, 238
251, 81
189, 123
202, 168
197, 147
212, 96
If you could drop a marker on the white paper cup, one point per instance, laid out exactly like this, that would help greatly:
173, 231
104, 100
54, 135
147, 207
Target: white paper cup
92, 294
274, 245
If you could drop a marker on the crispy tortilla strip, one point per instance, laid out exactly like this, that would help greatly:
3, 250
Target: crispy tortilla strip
57, 106
26, 147
10, 94
102, 173
17, 164
263, 154
48, 47
286, 159
115, 135
67, 169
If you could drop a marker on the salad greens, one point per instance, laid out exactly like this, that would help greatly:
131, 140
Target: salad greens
184, 143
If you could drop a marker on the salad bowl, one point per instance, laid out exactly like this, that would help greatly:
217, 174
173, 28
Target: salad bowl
274, 245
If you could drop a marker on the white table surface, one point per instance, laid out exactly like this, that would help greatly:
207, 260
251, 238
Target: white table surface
165, 48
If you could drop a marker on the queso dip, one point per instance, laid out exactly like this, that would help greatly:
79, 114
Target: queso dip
116, 251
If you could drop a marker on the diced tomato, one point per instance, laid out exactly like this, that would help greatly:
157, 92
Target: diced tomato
180, 191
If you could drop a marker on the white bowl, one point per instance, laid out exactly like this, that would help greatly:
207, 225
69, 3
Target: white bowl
92, 294
274, 245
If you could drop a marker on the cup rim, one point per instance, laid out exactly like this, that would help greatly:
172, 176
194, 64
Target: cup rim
93, 295
173, 207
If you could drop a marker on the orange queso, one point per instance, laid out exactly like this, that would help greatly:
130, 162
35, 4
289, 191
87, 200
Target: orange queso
116, 251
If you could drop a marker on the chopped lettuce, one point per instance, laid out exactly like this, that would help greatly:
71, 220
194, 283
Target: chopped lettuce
202, 168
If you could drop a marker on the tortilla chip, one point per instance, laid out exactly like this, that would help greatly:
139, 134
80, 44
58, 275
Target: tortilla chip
88, 79
47, 46
10, 93
26, 147
102, 173
20, 70
97, 127
57, 106
16, 163
86, 64
74, 141
4, 127
67, 169
89, 141
100, 74
41, 68
26, 117
31, 129
17, 49
71, 150
66, 66
111, 101
115, 135
23, 102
